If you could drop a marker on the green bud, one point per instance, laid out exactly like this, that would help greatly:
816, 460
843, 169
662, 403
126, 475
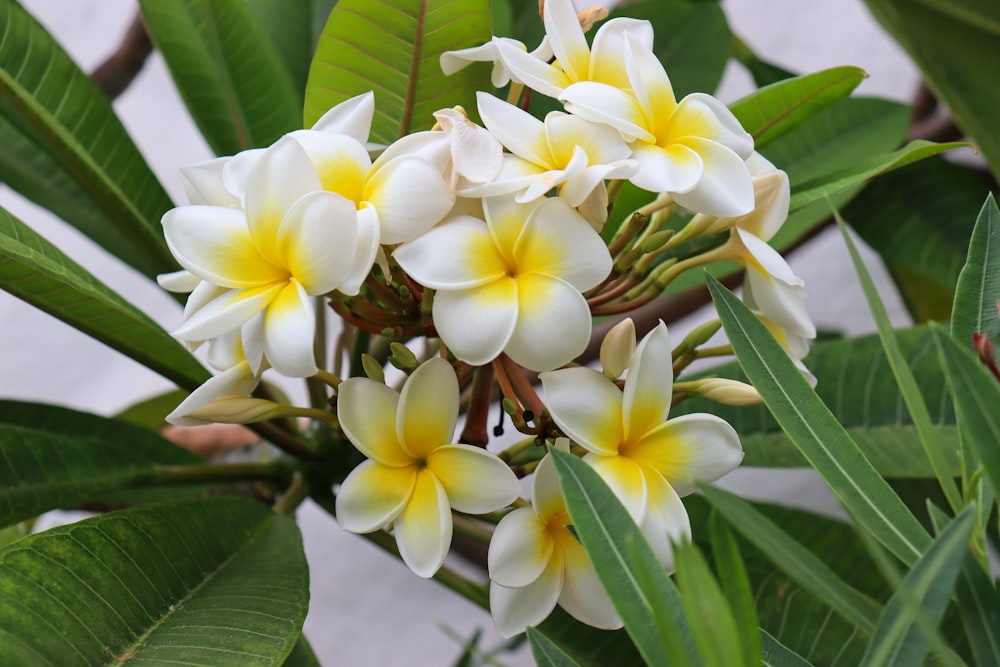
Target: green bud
372, 368
656, 241
698, 336
509, 406
401, 357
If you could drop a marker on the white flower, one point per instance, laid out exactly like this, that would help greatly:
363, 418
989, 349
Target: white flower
453, 61
415, 475
513, 283
535, 562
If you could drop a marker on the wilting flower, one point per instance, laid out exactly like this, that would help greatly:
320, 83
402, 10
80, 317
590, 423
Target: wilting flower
512, 283
647, 460
693, 149
563, 152
415, 475
535, 562
294, 241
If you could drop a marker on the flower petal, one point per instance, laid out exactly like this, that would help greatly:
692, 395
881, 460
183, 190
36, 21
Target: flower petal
477, 323
529, 70
352, 117
546, 495
692, 447
182, 281
235, 381
607, 53
771, 199
520, 549
317, 240
650, 84
601, 103
725, 188
457, 254
553, 322
557, 241
514, 609
428, 408
673, 169
569, 46
236, 172
410, 196
366, 411
475, 480
373, 495
780, 302
586, 406
226, 312
289, 332
582, 594
520, 132
341, 162
666, 521
203, 184
476, 154
365, 250
649, 385
423, 529
626, 478
214, 243
701, 115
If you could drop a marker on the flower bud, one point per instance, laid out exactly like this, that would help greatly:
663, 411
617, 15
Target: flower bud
617, 348
721, 390
372, 368
402, 358
238, 410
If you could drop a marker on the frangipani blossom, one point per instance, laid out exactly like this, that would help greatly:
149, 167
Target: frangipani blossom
574, 61
512, 284
294, 241
693, 149
453, 61
648, 461
414, 475
535, 562
564, 152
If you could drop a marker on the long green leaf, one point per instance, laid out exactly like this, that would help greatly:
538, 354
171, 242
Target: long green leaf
43, 471
409, 37
776, 654
795, 560
773, 110
735, 584
293, 28
933, 446
815, 431
925, 590
34, 270
234, 84
855, 381
546, 653
977, 395
978, 289
956, 44
216, 581
589, 646
643, 595
58, 112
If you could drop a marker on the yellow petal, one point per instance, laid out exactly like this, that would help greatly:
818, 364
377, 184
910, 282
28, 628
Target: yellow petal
423, 529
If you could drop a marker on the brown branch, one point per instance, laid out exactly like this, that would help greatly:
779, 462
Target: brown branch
118, 70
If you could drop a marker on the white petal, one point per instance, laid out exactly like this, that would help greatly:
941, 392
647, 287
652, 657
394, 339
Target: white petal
202, 294
252, 343
226, 312
601, 103
475, 480
423, 529
626, 479
454, 61
771, 199
317, 240
553, 323
709, 118
780, 302
649, 385
428, 408
457, 254
557, 241
562, 27
519, 131
366, 411
373, 495
603, 144
476, 154
586, 406
532, 72
520, 549
178, 281
768, 261
352, 117
514, 609
725, 188
341, 162
236, 381
546, 495
666, 521
650, 84
236, 172
607, 54
289, 330
410, 196
583, 596
673, 169
515, 175
203, 184
617, 348
365, 250
476, 323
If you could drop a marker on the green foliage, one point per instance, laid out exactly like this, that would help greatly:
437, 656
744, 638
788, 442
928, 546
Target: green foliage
65, 148
234, 84
546, 653
292, 28
409, 37
978, 288
218, 581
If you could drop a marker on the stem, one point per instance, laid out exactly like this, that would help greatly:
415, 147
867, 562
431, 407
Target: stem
293, 496
522, 387
476, 430
284, 441
314, 385
361, 342
471, 528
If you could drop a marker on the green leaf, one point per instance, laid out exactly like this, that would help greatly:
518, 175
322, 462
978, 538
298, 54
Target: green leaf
978, 288
589, 646
409, 37
643, 595
777, 654
546, 653
956, 44
39, 273
61, 130
773, 110
815, 431
804, 567
687, 41
292, 28
44, 471
925, 590
215, 581
977, 395
830, 184
905, 380
302, 655
151, 413
232, 80
707, 611
732, 575
854, 380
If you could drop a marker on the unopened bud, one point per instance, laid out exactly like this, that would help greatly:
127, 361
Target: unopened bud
983, 346
372, 368
238, 410
698, 336
656, 241
617, 348
402, 358
721, 390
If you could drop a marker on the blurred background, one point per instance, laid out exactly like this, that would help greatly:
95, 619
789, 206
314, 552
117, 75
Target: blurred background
368, 609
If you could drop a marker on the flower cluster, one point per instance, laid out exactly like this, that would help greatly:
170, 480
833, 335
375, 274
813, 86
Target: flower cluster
491, 243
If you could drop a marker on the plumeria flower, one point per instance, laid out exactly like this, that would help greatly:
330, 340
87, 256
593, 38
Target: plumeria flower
414, 475
647, 460
574, 60
693, 149
513, 283
395, 199
453, 61
294, 241
564, 152
535, 562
